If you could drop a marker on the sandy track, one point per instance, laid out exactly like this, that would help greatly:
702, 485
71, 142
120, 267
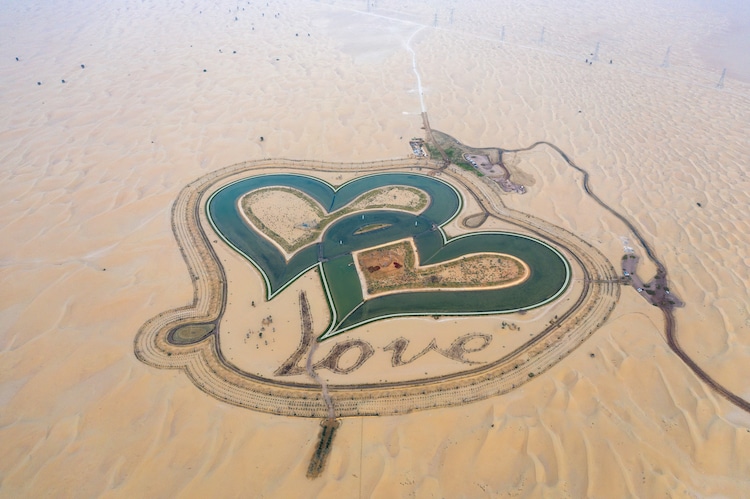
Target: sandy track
667, 310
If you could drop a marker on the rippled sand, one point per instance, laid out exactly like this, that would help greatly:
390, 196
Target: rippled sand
91, 166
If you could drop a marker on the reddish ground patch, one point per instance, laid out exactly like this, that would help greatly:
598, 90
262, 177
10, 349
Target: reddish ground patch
395, 269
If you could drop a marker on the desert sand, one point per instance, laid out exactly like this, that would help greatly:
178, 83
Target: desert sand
157, 94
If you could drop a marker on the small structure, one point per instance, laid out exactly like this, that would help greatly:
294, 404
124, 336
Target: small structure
417, 147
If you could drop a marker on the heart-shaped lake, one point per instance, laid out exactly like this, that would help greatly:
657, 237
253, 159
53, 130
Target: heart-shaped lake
356, 230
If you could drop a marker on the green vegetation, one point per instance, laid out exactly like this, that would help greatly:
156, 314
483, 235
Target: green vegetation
191, 333
454, 155
370, 228
434, 152
445, 141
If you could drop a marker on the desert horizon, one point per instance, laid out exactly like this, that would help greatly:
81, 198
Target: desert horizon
112, 110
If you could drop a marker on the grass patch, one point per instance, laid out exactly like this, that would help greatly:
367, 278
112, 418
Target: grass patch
434, 152
370, 228
191, 333
455, 156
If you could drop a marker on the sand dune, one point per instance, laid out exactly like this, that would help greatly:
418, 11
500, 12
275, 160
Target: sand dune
91, 166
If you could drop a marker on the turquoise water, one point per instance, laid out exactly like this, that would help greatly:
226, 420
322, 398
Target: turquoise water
549, 270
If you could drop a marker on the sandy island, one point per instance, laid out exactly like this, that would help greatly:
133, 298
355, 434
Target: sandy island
291, 219
395, 267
